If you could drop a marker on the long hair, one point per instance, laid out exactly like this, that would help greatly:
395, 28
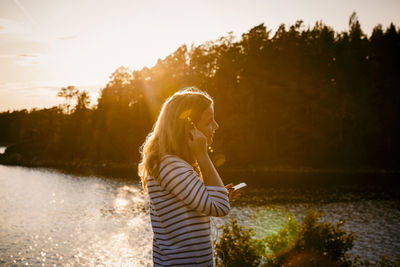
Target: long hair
170, 132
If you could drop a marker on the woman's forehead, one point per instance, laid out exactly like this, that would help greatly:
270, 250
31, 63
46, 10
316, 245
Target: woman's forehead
209, 112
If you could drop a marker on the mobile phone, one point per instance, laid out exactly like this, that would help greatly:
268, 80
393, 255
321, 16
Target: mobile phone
239, 186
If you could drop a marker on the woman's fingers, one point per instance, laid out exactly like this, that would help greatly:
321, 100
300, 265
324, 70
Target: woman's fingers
196, 136
230, 191
197, 133
233, 194
197, 142
229, 187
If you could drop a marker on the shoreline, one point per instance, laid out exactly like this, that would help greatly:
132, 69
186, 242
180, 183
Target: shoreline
17, 159
252, 176
266, 186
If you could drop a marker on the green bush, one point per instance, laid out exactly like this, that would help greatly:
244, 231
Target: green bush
311, 244
284, 240
237, 247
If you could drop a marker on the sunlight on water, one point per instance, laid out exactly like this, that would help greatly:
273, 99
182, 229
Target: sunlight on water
51, 218
48, 218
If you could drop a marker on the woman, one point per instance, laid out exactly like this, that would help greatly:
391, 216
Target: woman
183, 184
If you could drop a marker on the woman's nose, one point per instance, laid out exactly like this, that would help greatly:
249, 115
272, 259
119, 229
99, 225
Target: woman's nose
216, 125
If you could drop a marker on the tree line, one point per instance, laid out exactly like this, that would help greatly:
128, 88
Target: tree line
301, 97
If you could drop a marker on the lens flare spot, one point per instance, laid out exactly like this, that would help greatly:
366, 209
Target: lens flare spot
308, 258
279, 227
219, 160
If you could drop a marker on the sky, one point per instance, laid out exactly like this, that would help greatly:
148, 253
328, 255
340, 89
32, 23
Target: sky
49, 44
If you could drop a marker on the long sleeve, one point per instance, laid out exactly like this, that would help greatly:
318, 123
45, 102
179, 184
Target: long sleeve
179, 178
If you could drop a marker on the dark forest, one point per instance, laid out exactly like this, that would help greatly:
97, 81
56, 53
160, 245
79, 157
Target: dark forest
301, 98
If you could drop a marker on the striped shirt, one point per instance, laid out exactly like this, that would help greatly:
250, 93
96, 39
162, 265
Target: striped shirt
180, 206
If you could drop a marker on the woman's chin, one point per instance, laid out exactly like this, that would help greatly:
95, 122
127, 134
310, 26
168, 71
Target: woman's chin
209, 141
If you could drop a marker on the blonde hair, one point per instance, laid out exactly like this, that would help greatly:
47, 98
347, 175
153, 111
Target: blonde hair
171, 131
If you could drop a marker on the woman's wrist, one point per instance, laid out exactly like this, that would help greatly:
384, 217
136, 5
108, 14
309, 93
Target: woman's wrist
202, 157
210, 174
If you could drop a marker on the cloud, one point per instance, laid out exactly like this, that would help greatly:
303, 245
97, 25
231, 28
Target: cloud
8, 26
15, 44
19, 46
7, 56
27, 61
16, 56
27, 55
70, 37
21, 60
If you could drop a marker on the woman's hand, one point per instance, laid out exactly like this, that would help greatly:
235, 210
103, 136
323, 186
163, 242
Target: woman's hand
231, 193
197, 142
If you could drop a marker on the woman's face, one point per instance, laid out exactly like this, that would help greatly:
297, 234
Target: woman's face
207, 124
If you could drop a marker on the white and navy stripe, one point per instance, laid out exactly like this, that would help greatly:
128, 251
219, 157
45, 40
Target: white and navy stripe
180, 206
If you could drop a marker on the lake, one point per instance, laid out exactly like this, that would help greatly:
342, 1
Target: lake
49, 218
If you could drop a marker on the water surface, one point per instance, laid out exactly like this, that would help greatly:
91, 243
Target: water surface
51, 219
